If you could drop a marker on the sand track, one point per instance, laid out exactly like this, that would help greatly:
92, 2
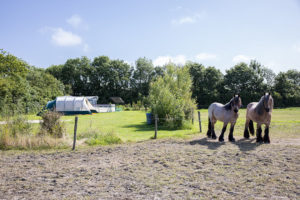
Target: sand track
162, 169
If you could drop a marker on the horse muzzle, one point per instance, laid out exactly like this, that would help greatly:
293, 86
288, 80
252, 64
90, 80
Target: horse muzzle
267, 109
236, 110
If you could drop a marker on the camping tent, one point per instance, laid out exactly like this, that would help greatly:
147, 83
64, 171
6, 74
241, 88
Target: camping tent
71, 105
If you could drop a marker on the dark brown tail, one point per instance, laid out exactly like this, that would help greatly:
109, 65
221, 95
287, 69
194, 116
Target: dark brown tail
251, 127
209, 128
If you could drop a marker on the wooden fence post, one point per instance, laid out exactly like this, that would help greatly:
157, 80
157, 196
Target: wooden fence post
199, 119
75, 131
155, 135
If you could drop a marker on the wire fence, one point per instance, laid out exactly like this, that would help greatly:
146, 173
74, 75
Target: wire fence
155, 118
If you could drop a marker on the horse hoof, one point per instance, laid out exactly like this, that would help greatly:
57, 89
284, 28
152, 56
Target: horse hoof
214, 137
221, 139
267, 141
246, 134
259, 140
209, 136
231, 139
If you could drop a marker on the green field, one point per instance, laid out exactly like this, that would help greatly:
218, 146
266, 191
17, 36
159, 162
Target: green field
131, 126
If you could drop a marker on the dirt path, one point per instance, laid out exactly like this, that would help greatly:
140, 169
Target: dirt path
163, 169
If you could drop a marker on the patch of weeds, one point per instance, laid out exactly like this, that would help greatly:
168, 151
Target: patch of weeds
99, 138
17, 134
51, 124
18, 125
87, 134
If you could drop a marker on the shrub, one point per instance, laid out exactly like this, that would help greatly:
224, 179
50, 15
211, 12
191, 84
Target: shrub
17, 134
51, 124
18, 125
170, 97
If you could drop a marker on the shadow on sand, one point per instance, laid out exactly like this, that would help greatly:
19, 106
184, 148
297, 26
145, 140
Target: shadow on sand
247, 144
210, 143
242, 144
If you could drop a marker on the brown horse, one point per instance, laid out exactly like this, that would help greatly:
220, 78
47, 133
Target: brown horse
259, 112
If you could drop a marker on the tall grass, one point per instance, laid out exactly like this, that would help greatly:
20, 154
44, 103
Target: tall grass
99, 138
17, 133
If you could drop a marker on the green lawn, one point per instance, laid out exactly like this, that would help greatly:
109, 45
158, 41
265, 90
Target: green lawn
131, 125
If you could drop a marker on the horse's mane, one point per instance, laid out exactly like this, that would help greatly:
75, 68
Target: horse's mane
227, 106
260, 106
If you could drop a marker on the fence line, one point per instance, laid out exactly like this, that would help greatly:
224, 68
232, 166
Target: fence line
156, 119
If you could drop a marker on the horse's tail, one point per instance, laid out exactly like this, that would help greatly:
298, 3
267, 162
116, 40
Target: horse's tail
209, 128
251, 127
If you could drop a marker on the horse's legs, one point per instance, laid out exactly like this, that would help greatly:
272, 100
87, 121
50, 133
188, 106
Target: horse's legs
246, 131
266, 136
221, 137
209, 128
230, 137
258, 133
213, 134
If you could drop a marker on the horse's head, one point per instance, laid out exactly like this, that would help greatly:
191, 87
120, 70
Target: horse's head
267, 102
236, 103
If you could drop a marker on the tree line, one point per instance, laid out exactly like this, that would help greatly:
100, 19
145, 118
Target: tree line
106, 78
25, 88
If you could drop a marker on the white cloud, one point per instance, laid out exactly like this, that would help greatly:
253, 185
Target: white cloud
86, 47
188, 19
177, 8
61, 37
163, 60
205, 56
297, 47
75, 21
241, 58
129, 62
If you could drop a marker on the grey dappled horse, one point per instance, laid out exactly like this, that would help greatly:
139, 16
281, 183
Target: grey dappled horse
227, 113
259, 112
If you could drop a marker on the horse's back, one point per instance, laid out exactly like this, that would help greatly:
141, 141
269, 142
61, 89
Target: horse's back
251, 106
213, 108
251, 110
214, 105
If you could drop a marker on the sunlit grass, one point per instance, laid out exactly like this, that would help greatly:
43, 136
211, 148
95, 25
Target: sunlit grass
130, 126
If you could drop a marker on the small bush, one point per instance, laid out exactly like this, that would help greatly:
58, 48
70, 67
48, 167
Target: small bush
104, 139
171, 97
17, 134
51, 124
18, 125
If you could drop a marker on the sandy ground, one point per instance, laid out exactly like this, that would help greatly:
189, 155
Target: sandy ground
198, 168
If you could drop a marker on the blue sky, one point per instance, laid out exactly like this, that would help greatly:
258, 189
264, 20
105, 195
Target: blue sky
216, 33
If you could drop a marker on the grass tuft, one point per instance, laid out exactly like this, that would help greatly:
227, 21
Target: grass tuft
99, 138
